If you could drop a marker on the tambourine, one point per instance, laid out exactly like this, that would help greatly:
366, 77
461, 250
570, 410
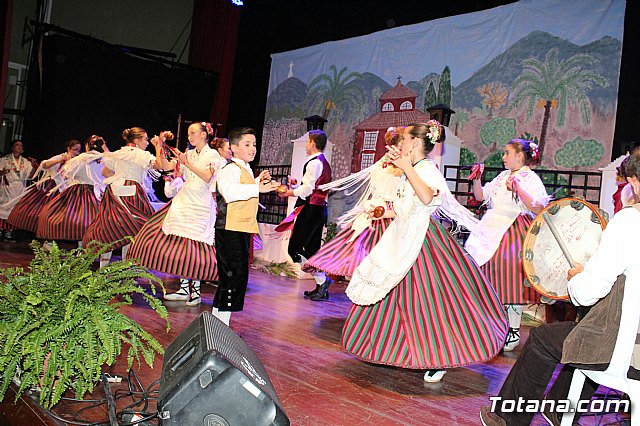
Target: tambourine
566, 231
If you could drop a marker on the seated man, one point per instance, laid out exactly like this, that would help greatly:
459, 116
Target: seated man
590, 343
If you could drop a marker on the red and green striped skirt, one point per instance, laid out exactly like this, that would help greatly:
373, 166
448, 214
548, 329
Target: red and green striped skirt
341, 257
172, 254
25, 214
443, 314
505, 271
118, 219
68, 215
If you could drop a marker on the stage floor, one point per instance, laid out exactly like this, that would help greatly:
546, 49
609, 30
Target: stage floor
298, 341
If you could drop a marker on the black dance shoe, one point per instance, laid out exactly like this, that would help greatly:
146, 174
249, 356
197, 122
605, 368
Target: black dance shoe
308, 294
322, 293
320, 297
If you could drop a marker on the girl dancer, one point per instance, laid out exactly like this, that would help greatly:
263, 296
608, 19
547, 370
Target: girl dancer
27, 209
15, 170
67, 215
179, 238
124, 207
420, 301
360, 233
222, 146
514, 197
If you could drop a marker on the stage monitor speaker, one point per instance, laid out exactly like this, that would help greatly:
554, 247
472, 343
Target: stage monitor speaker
211, 377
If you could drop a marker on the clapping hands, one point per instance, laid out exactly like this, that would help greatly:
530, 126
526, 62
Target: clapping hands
401, 161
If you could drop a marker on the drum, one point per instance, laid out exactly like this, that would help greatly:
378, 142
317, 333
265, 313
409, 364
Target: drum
566, 231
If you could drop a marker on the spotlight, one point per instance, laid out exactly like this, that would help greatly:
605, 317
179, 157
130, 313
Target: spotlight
237, 2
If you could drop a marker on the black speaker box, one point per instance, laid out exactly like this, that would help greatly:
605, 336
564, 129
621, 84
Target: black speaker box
211, 377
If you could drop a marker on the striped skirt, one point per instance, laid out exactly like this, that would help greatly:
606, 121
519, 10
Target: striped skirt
443, 314
118, 219
341, 257
25, 214
68, 215
505, 271
172, 254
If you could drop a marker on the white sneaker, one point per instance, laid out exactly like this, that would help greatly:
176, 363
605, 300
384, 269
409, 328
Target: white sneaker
194, 301
178, 295
513, 340
182, 294
434, 376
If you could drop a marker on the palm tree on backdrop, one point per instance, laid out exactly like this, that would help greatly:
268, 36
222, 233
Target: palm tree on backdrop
556, 84
334, 91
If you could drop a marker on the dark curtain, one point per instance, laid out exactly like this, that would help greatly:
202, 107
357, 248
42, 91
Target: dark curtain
6, 12
214, 35
85, 87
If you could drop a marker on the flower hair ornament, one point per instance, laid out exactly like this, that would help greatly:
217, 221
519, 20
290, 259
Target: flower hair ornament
534, 150
434, 131
390, 134
208, 127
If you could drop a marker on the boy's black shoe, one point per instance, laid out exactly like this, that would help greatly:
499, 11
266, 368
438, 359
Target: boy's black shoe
308, 294
320, 297
322, 293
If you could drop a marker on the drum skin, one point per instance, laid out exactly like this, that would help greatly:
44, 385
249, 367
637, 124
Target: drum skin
578, 225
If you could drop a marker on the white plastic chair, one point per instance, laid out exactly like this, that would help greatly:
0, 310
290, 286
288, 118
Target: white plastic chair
615, 376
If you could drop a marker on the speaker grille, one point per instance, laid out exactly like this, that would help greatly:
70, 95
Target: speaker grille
222, 339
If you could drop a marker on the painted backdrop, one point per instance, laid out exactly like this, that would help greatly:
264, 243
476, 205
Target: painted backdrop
542, 69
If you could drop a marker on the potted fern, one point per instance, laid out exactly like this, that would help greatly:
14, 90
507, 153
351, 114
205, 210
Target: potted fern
60, 321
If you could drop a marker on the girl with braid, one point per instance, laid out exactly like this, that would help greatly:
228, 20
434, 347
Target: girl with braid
420, 301
178, 239
514, 197
124, 207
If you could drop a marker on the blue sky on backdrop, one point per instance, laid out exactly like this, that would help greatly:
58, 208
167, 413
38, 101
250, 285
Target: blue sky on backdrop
464, 38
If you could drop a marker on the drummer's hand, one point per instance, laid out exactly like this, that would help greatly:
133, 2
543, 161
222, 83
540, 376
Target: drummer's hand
574, 271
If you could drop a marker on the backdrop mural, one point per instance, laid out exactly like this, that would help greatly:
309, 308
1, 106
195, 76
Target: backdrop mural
543, 69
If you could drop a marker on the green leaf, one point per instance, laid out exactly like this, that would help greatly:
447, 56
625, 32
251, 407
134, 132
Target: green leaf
60, 321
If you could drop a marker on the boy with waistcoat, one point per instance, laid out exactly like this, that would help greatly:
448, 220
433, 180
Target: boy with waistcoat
236, 222
306, 237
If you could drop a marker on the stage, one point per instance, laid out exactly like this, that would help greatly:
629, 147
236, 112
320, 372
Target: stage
298, 342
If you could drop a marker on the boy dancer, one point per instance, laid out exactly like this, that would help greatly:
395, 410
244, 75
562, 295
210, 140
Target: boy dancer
237, 199
306, 236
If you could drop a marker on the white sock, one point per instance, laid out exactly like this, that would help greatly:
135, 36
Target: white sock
303, 260
319, 277
125, 249
80, 244
223, 316
514, 312
105, 258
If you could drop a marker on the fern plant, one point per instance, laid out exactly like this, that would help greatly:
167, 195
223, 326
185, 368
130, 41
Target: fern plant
60, 321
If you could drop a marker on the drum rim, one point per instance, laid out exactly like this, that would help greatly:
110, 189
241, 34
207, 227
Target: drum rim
529, 236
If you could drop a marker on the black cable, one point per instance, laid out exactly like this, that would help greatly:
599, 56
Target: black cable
139, 395
73, 422
111, 402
